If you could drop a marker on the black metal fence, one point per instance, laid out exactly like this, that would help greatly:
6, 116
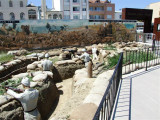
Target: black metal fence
142, 58
105, 108
131, 61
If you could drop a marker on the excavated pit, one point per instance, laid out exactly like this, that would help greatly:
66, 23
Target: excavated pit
49, 94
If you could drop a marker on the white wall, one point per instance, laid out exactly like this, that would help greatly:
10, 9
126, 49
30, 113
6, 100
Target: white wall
43, 6
81, 13
57, 5
16, 9
117, 15
156, 10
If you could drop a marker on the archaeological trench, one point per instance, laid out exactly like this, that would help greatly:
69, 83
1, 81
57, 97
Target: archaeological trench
26, 64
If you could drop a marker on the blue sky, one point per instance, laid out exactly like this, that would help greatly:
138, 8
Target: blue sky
118, 3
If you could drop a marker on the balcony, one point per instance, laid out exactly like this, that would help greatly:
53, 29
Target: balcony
76, 11
96, 12
76, 2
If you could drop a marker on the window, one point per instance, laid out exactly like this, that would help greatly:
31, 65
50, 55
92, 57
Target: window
22, 16
97, 17
83, 9
60, 16
32, 14
158, 27
76, 17
84, 1
21, 3
55, 16
120, 16
1, 16
98, 8
66, 0
0, 4
109, 16
76, 8
49, 16
76, 1
109, 8
97, 1
66, 16
66, 8
12, 16
91, 17
10, 3
91, 8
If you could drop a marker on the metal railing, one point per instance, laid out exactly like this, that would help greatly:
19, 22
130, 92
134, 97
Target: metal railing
131, 61
142, 58
104, 110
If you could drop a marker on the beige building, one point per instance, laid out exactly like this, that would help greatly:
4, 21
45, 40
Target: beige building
17, 10
156, 10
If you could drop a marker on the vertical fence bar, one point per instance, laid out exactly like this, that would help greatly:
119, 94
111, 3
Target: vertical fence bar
147, 58
139, 58
126, 61
152, 57
150, 60
129, 60
157, 56
105, 110
136, 60
132, 59
101, 115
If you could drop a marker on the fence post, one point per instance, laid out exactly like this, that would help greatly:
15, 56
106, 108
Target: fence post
147, 58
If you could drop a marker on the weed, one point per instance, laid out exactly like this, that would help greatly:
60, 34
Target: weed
55, 59
5, 58
110, 47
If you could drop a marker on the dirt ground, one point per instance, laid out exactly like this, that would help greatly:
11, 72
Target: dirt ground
65, 94
70, 98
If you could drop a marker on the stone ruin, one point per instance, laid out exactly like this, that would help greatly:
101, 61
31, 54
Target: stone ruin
45, 81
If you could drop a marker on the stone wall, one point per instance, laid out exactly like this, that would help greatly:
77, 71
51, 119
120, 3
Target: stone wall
14, 67
66, 69
11, 108
47, 99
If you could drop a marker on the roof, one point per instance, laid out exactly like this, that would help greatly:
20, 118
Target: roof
155, 3
30, 5
98, 1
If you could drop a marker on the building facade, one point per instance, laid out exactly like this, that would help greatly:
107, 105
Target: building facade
144, 15
56, 12
17, 10
76, 9
156, 29
101, 10
156, 10
118, 15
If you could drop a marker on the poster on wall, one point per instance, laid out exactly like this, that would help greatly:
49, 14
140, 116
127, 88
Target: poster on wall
158, 27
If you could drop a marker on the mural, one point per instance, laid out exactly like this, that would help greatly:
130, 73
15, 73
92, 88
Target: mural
60, 33
45, 26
